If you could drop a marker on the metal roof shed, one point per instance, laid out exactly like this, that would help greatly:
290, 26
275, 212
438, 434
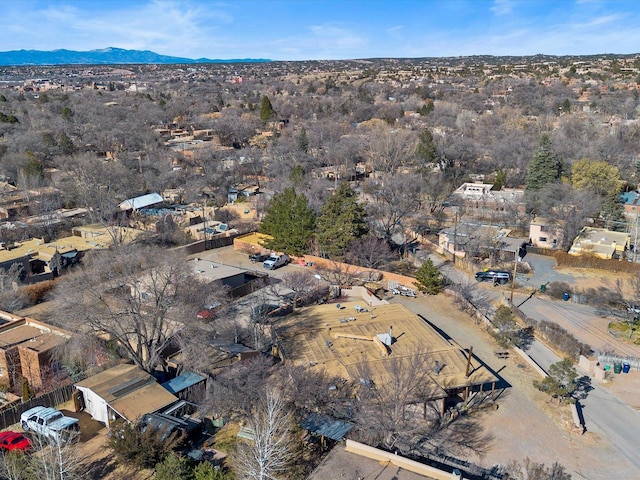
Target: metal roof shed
141, 201
325, 426
183, 382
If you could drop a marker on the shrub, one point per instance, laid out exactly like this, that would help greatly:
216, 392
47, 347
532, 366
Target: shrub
558, 289
141, 449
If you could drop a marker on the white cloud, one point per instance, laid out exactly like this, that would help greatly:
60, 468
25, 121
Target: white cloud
502, 7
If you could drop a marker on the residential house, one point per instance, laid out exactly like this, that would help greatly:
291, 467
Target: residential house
467, 238
26, 347
545, 234
123, 392
339, 341
480, 201
631, 203
601, 243
40, 260
142, 201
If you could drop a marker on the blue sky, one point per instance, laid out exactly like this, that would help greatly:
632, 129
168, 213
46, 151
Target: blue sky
324, 29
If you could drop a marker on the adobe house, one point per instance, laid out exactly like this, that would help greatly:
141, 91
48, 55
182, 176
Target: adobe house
340, 340
26, 347
601, 243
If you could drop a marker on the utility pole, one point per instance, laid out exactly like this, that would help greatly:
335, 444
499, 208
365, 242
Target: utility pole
515, 270
635, 241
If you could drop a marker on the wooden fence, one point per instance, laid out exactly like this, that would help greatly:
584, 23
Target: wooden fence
11, 415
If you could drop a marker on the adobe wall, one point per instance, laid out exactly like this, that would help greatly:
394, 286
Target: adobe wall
399, 461
252, 243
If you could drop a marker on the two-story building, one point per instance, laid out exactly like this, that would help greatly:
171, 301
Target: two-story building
26, 347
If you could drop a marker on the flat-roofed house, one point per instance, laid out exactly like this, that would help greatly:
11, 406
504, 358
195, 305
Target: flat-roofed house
601, 243
26, 347
341, 341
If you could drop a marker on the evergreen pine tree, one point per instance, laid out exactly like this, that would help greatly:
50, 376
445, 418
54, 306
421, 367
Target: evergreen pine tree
266, 110
341, 221
545, 167
303, 141
429, 279
290, 222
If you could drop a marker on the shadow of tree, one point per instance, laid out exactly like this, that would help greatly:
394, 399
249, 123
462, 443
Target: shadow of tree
583, 387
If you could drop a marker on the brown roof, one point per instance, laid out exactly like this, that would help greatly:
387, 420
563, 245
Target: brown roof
148, 399
340, 341
31, 334
129, 390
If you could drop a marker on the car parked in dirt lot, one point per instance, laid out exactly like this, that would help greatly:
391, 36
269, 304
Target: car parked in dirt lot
258, 257
14, 441
276, 261
210, 311
50, 423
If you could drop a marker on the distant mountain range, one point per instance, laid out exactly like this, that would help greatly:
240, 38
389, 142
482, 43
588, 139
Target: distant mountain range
105, 56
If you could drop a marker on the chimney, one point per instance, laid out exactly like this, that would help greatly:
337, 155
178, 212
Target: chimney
437, 368
391, 332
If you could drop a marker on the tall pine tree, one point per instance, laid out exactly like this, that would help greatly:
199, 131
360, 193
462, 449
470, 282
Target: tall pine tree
266, 110
290, 222
545, 167
341, 221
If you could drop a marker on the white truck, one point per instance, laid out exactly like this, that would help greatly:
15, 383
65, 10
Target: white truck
50, 423
276, 261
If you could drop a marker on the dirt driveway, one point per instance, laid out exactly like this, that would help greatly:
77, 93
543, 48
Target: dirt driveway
526, 423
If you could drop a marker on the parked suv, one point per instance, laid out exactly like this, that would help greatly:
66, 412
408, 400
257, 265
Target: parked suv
276, 261
498, 276
50, 423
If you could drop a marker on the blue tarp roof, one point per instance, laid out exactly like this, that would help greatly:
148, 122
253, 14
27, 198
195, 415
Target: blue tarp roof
183, 382
326, 426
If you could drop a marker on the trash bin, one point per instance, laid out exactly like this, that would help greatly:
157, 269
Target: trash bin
617, 368
607, 368
565, 296
626, 367
543, 287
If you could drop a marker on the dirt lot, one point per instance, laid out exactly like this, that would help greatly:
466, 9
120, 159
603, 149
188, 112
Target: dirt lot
527, 423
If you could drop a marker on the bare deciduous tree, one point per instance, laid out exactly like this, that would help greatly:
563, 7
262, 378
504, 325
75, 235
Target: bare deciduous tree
370, 252
301, 282
270, 454
56, 460
137, 296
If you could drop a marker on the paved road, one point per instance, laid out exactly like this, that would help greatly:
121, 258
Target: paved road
579, 320
615, 422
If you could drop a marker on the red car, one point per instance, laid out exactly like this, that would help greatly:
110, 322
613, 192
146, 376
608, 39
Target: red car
14, 441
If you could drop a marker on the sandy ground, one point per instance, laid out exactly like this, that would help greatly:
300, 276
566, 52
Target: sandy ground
527, 423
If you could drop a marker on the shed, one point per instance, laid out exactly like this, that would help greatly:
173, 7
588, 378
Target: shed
124, 391
326, 427
142, 201
183, 384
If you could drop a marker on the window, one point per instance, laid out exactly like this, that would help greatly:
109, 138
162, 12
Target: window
544, 228
542, 239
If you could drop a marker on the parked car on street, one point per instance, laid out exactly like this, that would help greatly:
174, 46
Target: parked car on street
14, 441
495, 276
50, 423
276, 261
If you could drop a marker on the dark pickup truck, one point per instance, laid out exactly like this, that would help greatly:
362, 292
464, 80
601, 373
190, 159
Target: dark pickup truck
258, 257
